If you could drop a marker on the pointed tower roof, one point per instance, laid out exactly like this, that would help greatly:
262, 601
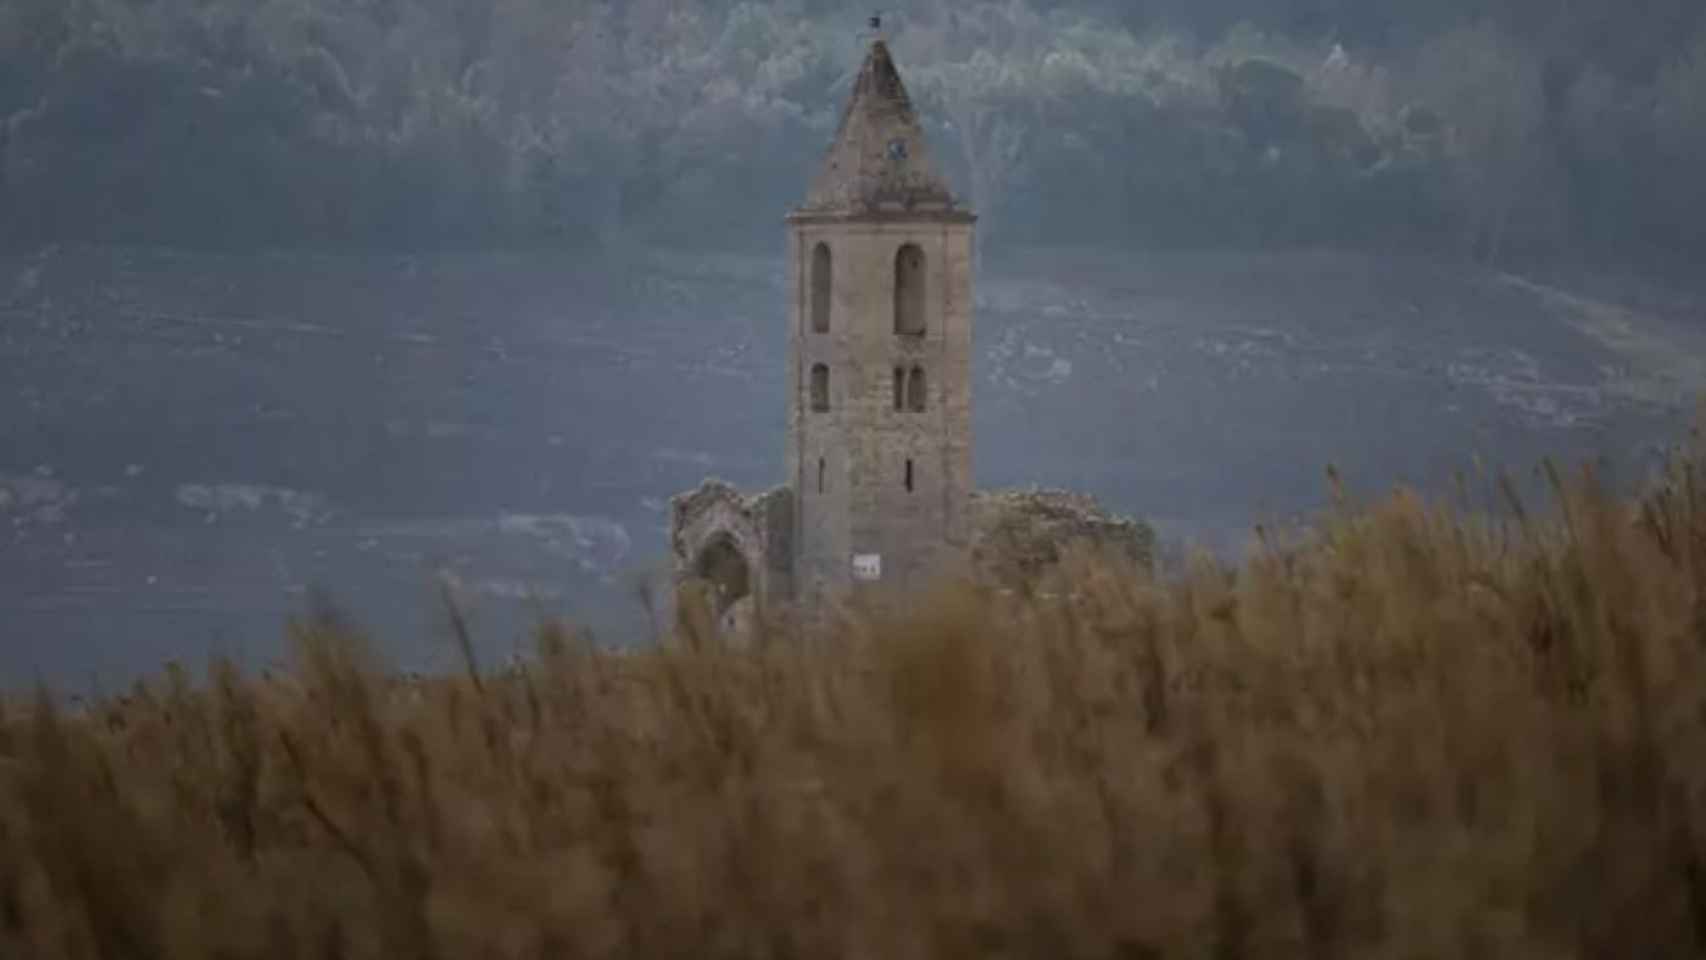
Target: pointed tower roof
880, 161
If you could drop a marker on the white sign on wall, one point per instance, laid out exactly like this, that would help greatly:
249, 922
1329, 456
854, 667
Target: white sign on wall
867, 566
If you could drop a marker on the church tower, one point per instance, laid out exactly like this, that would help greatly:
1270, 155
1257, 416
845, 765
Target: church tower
880, 339
878, 496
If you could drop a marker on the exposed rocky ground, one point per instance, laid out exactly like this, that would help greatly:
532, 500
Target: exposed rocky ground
189, 442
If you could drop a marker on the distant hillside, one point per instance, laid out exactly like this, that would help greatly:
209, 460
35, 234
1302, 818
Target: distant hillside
1492, 129
188, 442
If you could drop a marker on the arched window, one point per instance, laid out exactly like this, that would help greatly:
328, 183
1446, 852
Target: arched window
823, 284
915, 390
909, 291
724, 567
820, 388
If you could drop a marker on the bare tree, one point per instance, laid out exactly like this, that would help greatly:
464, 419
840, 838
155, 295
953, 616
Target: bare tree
989, 99
1489, 90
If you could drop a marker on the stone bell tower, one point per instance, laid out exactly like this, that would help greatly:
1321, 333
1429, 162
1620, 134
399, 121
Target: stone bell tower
880, 339
878, 496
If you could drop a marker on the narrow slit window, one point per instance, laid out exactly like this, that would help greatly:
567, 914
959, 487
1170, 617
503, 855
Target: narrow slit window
909, 291
820, 388
916, 390
909, 473
823, 286
821, 469
899, 388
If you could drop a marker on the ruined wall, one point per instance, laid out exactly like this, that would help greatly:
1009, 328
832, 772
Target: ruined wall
1019, 535
1015, 538
759, 528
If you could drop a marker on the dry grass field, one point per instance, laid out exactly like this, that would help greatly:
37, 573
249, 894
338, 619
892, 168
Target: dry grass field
1416, 731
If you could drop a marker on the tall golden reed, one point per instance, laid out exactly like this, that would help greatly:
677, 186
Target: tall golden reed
1411, 732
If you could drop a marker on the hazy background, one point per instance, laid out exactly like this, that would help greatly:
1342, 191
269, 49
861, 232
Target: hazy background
361, 293
1497, 128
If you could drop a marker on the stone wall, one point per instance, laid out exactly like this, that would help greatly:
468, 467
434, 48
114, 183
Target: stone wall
1019, 535
1016, 537
758, 527
865, 505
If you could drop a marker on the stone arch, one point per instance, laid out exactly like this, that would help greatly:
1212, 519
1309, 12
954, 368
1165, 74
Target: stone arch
909, 298
823, 287
724, 568
820, 387
733, 550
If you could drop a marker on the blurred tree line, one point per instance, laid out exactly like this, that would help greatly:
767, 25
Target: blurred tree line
1491, 129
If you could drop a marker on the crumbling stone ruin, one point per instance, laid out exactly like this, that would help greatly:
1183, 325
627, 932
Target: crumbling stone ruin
1023, 534
879, 497
739, 548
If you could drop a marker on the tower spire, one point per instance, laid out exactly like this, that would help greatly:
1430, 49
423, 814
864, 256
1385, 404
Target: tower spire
880, 160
